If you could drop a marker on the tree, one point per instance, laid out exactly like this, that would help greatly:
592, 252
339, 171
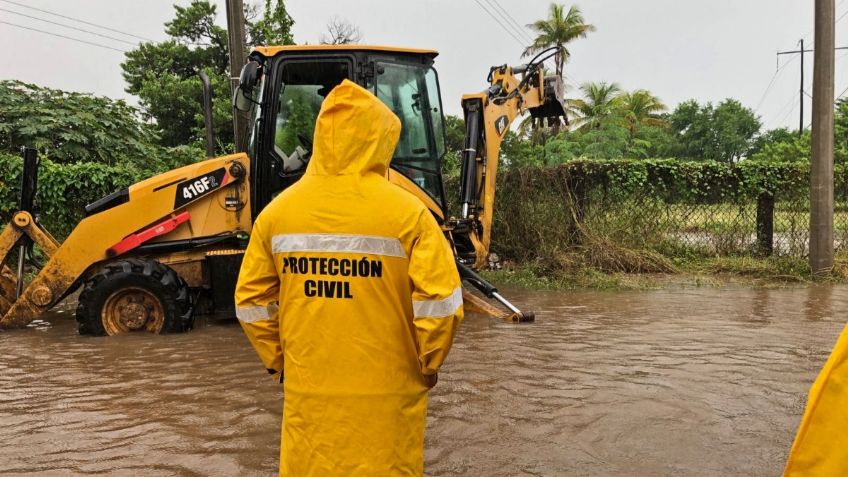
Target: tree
840, 131
341, 32
72, 127
772, 136
723, 133
641, 108
165, 75
600, 101
791, 148
274, 28
735, 127
559, 29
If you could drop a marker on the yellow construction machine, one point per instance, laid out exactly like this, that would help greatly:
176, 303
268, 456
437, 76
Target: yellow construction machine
155, 254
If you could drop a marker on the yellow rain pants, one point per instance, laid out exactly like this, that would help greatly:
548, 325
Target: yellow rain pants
821, 445
349, 287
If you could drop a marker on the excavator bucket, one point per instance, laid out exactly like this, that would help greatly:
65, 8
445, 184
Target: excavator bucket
554, 105
476, 304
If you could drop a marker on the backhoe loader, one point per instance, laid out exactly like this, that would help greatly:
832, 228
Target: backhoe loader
151, 256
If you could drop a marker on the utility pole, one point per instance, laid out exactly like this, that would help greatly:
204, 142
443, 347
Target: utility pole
801, 92
235, 38
821, 171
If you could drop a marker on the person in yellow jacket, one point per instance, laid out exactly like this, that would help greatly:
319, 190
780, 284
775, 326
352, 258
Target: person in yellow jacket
349, 292
821, 445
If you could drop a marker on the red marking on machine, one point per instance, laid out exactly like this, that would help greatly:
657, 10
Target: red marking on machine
134, 240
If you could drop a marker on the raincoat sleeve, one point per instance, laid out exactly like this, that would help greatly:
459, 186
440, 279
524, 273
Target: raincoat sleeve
436, 294
821, 444
256, 298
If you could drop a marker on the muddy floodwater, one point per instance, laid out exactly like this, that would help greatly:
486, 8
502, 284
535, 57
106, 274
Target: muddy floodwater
698, 382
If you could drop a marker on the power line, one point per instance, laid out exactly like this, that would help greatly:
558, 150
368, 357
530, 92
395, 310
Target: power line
840, 17
76, 20
789, 103
777, 73
63, 36
499, 9
810, 31
68, 26
518, 26
840, 96
519, 41
786, 116
802, 92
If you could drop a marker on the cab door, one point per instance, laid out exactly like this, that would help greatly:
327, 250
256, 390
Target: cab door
299, 86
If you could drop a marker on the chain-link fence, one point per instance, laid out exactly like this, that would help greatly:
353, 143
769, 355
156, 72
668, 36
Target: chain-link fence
668, 207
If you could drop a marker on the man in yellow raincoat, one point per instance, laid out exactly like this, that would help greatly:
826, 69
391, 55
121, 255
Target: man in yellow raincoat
821, 445
349, 290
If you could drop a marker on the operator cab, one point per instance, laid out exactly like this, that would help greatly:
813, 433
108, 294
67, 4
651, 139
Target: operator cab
283, 88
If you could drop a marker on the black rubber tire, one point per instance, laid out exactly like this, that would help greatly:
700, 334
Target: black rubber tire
160, 280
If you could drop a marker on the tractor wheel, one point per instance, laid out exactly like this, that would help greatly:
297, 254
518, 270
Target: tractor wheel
134, 295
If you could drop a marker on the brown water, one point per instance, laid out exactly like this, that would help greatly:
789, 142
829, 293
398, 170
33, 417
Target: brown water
699, 382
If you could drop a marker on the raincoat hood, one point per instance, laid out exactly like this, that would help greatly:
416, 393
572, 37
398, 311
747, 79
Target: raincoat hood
355, 133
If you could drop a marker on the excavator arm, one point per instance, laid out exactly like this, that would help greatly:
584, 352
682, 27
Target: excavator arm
512, 91
488, 117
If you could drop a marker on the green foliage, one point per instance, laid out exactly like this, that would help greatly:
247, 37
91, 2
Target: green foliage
784, 145
635, 215
608, 123
274, 28
560, 28
771, 136
455, 138
518, 152
641, 109
299, 122
165, 75
781, 146
722, 133
72, 127
63, 189
600, 101
685, 181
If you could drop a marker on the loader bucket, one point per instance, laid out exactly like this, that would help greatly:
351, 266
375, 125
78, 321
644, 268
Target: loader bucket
8, 287
554, 104
11, 238
20, 304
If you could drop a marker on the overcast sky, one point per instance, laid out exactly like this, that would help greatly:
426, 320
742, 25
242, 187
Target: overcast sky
707, 50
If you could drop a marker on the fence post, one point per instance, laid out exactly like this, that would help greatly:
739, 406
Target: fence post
765, 224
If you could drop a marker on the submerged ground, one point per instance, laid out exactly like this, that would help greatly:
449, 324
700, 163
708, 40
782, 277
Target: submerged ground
696, 382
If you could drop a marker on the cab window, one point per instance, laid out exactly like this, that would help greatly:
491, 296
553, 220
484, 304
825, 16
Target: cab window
303, 89
411, 91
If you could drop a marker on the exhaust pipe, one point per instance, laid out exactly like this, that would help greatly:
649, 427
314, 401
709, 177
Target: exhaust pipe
207, 115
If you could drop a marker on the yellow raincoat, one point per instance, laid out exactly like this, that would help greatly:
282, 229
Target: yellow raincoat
821, 445
349, 287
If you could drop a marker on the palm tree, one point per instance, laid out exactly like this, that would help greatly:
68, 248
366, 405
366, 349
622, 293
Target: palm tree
557, 30
641, 108
600, 100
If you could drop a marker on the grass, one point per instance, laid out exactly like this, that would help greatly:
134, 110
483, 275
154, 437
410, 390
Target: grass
688, 272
